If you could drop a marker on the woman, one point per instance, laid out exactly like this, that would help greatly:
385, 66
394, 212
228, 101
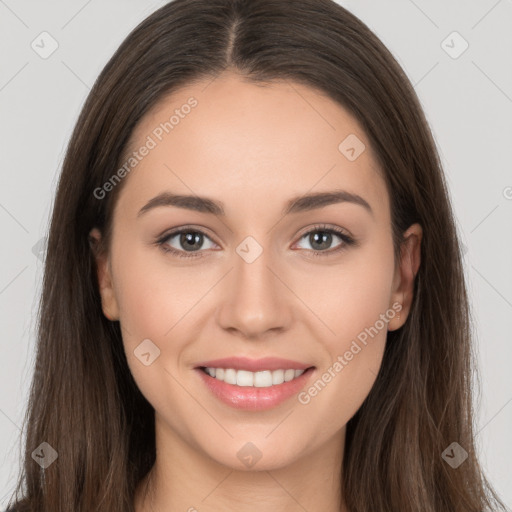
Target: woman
253, 294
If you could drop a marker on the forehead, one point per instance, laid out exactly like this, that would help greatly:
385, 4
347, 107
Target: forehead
248, 143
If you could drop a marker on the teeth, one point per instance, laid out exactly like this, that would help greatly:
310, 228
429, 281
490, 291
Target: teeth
261, 379
244, 378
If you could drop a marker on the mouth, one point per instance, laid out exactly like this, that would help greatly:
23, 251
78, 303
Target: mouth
254, 384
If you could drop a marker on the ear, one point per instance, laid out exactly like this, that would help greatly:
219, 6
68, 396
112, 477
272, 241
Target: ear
104, 273
405, 272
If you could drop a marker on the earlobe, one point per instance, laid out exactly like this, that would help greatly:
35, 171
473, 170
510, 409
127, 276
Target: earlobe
104, 276
407, 269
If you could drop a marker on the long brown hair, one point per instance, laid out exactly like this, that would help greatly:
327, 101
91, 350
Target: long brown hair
84, 402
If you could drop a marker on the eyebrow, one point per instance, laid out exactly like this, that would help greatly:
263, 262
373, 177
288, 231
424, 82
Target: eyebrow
295, 205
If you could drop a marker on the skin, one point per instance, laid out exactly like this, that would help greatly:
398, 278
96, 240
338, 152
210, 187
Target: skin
240, 142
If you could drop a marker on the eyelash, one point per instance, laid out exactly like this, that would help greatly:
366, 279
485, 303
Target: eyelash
347, 241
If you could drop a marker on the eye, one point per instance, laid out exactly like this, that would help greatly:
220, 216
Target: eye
187, 241
320, 239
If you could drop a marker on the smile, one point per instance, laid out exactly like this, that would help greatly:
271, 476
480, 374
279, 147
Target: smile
254, 385
260, 379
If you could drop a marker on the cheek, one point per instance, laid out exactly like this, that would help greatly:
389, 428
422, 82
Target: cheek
158, 301
365, 295
153, 295
351, 295
365, 310
357, 309
153, 309
150, 309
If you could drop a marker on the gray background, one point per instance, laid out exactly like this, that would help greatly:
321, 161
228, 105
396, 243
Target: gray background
468, 102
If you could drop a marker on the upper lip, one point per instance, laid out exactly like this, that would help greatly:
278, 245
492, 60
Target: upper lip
254, 365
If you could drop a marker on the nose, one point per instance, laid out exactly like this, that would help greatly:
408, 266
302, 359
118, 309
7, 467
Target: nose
256, 299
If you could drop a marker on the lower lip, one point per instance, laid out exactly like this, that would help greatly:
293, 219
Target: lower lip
252, 398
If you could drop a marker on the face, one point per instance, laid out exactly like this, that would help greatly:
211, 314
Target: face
266, 272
